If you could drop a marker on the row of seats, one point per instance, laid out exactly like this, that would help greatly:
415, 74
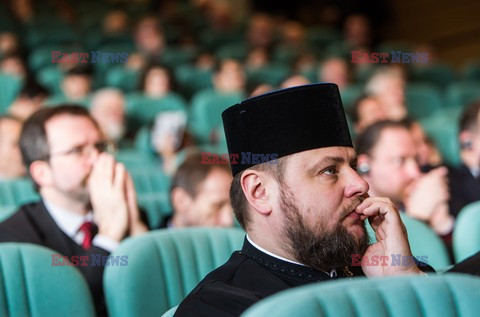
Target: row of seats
153, 188
163, 266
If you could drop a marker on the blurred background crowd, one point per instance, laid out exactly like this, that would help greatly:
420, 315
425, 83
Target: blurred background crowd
416, 125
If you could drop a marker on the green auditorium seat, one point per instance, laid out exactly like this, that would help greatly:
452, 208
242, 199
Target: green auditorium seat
462, 94
466, 235
31, 286
51, 77
272, 74
322, 37
175, 56
7, 211
150, 180
192, 79
17, 192
349, 94
423, 242
471, 71
238, 51
123, 78
442, 127
9, 87
156, 206
141, 110
164, 266
206, 112
134, 159
447, 295
440, 75
422, 100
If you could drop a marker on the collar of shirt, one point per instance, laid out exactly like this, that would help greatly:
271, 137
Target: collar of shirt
333, 273
475, 171
68, 221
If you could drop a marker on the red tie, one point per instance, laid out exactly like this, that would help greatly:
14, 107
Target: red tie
86, 228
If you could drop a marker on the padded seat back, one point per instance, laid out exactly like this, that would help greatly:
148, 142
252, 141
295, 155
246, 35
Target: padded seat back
414, 296
164, 266
31, 286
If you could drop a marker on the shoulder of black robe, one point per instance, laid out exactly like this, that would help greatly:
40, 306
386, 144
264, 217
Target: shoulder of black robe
464, 188
470, 265
33, 224
248, 276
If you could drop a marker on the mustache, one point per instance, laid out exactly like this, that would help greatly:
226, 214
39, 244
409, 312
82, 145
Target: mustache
350, 207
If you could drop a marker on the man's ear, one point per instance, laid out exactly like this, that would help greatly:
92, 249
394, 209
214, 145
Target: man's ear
41, 173
254, 187
181, 200
363, 164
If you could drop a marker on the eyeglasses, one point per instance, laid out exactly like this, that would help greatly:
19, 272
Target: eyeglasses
85, 150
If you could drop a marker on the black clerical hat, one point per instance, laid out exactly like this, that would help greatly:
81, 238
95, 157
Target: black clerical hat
284, 122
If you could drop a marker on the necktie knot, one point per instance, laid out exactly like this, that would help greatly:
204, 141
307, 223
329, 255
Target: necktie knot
86, 228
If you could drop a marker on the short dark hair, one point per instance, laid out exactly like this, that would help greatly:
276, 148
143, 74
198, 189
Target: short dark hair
33, 138
192, 173
367, 140
168, 70
469, 117
237, 196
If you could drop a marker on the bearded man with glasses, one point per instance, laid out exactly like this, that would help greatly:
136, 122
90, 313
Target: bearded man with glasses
88, 202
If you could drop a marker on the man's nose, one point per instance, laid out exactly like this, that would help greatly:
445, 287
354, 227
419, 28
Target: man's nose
356, 185
412, 168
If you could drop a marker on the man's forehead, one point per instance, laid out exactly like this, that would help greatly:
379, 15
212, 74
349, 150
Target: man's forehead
67, 127
312, 157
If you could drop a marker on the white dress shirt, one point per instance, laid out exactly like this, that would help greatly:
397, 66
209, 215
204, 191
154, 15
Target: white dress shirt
70, 223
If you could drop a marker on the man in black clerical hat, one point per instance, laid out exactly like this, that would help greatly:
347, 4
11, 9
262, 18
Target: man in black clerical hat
304, 210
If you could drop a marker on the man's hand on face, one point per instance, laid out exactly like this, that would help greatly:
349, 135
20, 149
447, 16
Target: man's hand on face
427, 194
136, 226
391, 237
107, 187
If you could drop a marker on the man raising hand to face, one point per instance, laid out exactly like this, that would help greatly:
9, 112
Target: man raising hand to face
88, 202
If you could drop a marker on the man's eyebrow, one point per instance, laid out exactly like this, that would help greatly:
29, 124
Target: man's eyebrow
331, 160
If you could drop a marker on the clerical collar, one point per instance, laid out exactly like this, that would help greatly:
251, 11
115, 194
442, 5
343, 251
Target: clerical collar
295, 274
270, 253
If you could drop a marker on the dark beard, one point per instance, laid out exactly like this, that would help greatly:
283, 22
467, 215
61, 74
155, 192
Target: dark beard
319, 248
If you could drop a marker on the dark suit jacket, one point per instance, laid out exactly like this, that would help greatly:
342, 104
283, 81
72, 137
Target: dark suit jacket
464, 188
33, 224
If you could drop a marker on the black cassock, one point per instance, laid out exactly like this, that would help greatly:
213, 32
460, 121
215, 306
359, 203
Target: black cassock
249, 276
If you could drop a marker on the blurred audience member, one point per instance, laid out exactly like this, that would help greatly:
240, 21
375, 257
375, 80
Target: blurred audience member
261, 31
357, 32
335, 70
229, 77
295, 80
8, 43
149, 38
388, 161
200, 193
88, 202
10, 159
108, 109
13, 64
464, 180
168, 137
77, 84
157, 81
387, 84
428, 154
31, 98
365, 112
